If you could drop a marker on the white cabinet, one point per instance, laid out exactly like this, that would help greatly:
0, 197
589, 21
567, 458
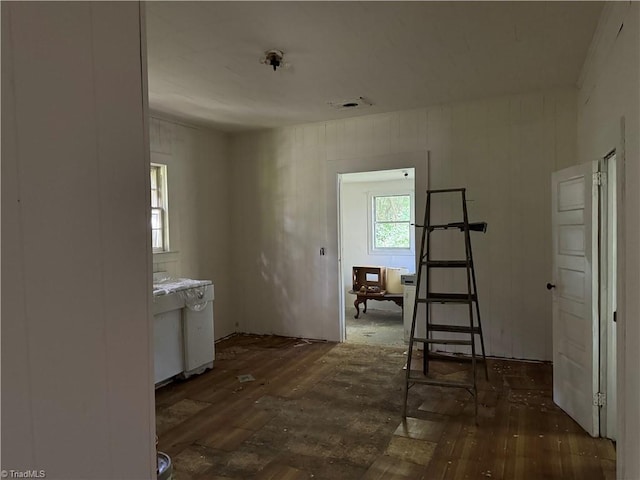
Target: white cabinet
168, 351
183, 330
198, 335
409, 298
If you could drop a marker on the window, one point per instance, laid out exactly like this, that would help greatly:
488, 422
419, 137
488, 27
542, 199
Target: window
391, 222
159, 220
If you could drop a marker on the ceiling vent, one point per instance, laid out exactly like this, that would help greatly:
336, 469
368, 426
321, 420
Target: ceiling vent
351, 104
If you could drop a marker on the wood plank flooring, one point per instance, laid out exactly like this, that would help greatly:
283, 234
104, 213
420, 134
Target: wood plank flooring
332, 411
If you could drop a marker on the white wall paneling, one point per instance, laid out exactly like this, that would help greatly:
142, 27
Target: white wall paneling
502, 150
199, 189
77, 378
607, 119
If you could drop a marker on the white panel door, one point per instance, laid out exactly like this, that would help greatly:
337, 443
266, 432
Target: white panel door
574, 286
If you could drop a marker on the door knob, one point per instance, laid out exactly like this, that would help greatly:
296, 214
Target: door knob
550, 286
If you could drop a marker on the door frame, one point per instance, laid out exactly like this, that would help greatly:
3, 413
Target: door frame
621, 373
615, 406
418, 160
607, 292
381, 190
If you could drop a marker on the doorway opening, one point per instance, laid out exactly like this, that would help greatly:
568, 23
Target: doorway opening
376, 220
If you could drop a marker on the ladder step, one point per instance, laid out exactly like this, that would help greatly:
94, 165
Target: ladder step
446, 190
455, 357
446, 263
440, 383
437, 327
447, 298
473, 227
442, 341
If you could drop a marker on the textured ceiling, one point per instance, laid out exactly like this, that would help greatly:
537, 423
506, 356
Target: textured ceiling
204, 57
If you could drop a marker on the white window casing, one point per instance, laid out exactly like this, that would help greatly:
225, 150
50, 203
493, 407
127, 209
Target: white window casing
391, 219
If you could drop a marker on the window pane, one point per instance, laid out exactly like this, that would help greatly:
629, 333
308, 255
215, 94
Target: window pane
396, 208
154, 178
156, 239
159, 234
156, 218
392, 235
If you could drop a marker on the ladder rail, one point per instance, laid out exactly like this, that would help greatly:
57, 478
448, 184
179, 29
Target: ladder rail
427, 307
475, 292
415, 307
467, 241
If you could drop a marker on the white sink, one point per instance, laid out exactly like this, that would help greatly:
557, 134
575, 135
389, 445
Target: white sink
171, 294
167, 302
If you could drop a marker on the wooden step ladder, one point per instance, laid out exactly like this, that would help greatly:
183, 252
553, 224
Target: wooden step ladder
468, 331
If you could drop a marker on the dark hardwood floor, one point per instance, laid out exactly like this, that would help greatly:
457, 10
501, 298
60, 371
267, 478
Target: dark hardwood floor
333, 411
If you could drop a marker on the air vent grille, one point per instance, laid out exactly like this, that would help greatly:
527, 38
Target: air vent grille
351, 104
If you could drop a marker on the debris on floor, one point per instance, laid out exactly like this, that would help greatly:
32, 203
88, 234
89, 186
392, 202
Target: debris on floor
332, 411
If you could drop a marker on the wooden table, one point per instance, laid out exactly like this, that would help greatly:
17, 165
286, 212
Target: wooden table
361, 298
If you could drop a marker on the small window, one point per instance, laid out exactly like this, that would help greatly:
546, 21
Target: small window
159, 215
391, 222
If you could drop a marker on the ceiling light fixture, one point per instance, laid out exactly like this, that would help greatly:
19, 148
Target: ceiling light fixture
274, 58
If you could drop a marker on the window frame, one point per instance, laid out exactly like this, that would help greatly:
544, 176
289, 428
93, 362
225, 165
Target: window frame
163, 205
373, 250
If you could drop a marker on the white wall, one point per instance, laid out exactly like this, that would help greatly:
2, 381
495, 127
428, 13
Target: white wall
503, 150
77, 377
355, 200
198, 177
609, 92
